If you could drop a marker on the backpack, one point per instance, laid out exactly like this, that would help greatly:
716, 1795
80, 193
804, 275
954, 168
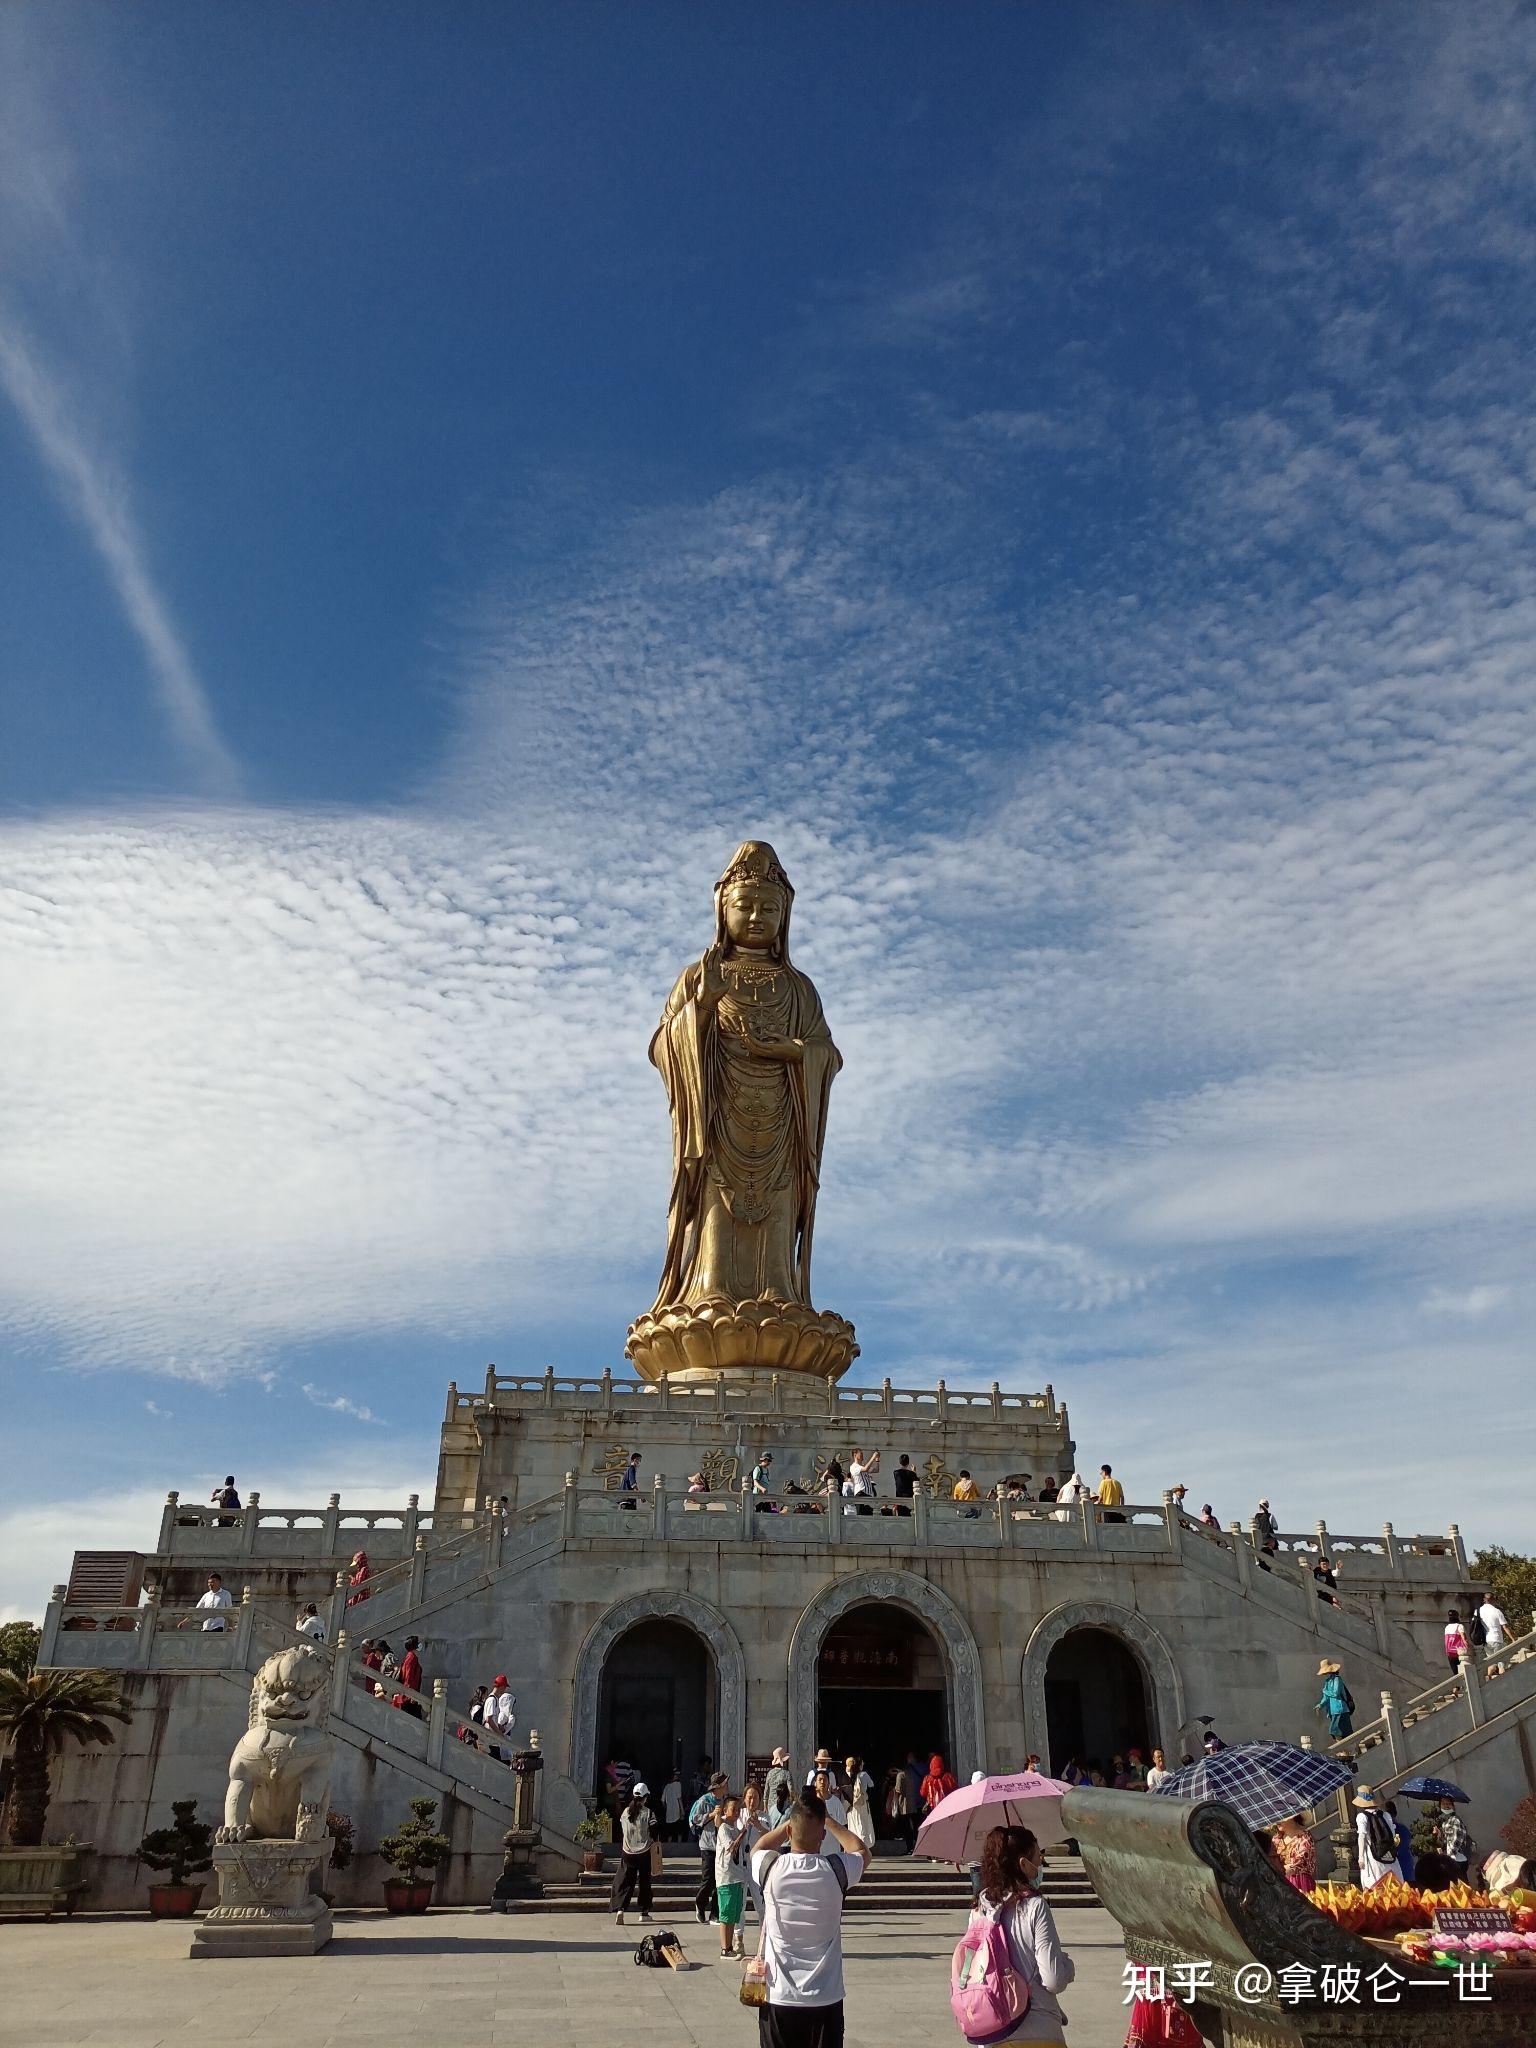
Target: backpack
987, 1995
1380, 1838
1477, 1630
1349, 1698
649, 1953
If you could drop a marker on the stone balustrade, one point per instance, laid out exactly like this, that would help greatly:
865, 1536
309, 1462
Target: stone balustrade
189, 1529
782, 1394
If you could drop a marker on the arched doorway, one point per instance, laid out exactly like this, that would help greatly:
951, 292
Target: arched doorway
917, 1600
657, 1702
880, 1688
1095, 1700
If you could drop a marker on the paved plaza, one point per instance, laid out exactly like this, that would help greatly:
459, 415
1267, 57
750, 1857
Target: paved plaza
461, 1978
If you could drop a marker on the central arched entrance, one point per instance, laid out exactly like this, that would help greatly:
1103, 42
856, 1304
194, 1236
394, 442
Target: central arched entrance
880, 1690
657, 1702
1096, 1703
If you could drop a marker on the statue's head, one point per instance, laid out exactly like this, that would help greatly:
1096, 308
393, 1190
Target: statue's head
753, 899
288, 1690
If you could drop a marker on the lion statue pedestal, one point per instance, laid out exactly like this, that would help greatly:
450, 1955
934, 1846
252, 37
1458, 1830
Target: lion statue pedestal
272, 1851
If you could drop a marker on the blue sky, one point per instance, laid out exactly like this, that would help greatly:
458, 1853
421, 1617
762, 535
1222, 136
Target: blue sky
1065, 475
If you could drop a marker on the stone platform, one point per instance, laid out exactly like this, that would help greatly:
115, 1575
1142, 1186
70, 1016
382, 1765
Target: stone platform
487, 1980
268, 1904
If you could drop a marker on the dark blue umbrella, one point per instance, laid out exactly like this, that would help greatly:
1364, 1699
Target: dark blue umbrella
1261, 1781
1433, 1788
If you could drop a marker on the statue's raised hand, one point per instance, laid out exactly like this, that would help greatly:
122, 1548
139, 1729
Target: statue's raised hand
713, 986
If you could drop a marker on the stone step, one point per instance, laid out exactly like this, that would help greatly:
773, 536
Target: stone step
889, 1886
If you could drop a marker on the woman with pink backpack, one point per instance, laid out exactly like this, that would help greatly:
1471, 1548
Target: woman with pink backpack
1009, 1966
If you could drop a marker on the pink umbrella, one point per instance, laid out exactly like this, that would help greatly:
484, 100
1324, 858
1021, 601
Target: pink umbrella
959, 1824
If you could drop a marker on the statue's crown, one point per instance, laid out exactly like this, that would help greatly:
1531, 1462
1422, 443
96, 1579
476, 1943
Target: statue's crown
755, 861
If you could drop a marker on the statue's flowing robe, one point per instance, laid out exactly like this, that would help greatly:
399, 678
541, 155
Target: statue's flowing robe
746, 1136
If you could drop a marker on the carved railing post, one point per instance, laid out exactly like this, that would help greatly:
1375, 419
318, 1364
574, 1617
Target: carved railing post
1242, 1554
1392, 1723
941, 1393
1322, 1539
570, 1506
607, 1389
149, 1622
437, 1723
1472, 1688
997, 1401
418, 1569
549, 1386
885, 1394
659, 1507
330, 1525
920, 1515
243, 1627
338, 1613
1389, 1546
748, 1519
48, 1648
410, 1521
1458, 1548
168, 1521
340, 1674
250, 1523
1004, 1517
1088, 1518
527, 1765
1171, 1522
834, 1518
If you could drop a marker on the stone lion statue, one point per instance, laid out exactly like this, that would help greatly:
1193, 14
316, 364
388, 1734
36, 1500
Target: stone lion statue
280, 1773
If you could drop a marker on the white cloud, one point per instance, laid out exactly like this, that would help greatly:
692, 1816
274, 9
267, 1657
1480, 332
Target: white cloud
340, 1404
1472, 1301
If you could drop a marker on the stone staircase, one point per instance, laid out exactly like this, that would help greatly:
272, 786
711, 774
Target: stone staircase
892, 1884
1442, 1715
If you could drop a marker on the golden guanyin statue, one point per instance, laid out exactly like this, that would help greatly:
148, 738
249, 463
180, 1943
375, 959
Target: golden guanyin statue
748, 1064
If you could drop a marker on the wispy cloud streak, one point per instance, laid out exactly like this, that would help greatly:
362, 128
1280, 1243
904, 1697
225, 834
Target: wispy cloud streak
86, 483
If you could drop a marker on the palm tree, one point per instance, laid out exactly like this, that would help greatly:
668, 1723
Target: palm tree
39, 1714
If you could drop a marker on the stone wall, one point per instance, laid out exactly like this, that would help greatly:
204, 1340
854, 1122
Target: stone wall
177, 1746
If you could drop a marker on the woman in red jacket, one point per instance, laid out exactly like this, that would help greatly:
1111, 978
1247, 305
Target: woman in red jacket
937, 1785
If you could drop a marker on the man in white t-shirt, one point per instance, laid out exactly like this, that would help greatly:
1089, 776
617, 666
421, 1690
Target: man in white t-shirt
1495, 1621
1495, 1633
1159, 1774
802, 1939
216, 1599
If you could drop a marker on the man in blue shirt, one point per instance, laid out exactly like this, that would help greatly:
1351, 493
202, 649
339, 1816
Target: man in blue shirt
629, 1481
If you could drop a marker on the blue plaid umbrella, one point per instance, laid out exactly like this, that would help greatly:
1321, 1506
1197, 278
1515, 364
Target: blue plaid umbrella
1261, 1781
1433, 1788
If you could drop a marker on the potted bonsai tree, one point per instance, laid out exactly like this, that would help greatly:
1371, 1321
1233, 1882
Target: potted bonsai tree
590, 1835
41, 1711
412, 1849
183, 1848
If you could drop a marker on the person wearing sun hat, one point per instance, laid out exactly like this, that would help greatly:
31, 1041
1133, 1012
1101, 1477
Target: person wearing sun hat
1336, 1701
1375, 1840
778, 1787
635, 1830
498, 1714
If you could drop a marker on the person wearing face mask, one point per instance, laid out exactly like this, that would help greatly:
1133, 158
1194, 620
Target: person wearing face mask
1010, 1879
